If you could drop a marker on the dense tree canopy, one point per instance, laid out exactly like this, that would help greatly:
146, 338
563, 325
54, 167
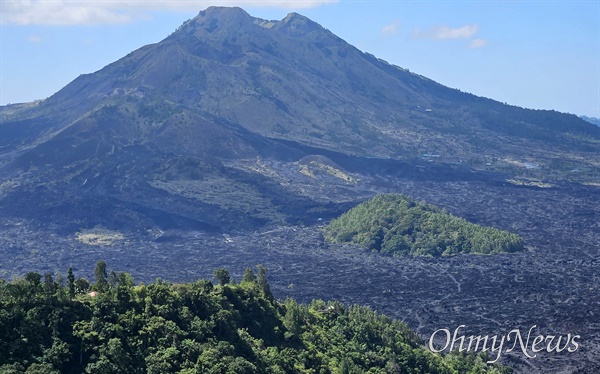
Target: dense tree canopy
398, 225
201, 328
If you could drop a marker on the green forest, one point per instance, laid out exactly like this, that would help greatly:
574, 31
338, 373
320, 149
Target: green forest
398, 225
53, 324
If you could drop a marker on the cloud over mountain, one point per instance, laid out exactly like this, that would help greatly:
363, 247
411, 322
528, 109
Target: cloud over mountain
391, 28
446, 32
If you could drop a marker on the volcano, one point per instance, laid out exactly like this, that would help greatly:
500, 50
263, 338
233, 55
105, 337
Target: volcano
207, 129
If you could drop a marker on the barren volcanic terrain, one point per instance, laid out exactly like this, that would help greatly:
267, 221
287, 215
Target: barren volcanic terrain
555, 285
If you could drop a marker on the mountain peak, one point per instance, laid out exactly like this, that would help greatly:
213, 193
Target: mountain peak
224, 12
293, 16
226, 20
298, 24
222, 17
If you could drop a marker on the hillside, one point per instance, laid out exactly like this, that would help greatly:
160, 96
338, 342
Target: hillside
159, 328
398, 225
292, 79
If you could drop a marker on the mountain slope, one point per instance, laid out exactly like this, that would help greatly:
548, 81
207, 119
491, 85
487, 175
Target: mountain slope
201, 328
292, 79
165, 127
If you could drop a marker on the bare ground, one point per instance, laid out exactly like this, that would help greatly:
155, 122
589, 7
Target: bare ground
555, 285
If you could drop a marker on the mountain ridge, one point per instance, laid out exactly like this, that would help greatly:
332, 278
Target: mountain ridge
195, 39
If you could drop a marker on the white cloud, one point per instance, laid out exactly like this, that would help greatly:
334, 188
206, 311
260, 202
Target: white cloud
392, 28
466, 31
59, 12
445, 32
477, 43
34, 39
72, 12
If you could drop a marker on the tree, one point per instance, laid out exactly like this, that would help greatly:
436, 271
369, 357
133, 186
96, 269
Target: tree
58, 354
125, 285
101, 276
71, 283
82, 285
249, 276
113, 359
49, 285
112, 279
162, 361
222, 275
36, 368
292, 319
263, 284
61, 290
34, 279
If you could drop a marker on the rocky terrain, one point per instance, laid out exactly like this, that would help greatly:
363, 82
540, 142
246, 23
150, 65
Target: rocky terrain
555, 285
230, 143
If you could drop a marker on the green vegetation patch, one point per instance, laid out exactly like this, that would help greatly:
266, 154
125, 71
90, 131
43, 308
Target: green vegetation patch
396, 224
47, 326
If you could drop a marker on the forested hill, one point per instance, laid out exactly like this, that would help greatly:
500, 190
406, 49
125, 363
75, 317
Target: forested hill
398, 225
115, 326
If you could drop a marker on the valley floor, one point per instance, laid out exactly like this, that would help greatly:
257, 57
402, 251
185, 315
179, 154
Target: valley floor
489, 294
555, 285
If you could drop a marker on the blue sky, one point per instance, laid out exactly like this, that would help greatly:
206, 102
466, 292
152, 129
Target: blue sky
535, 54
